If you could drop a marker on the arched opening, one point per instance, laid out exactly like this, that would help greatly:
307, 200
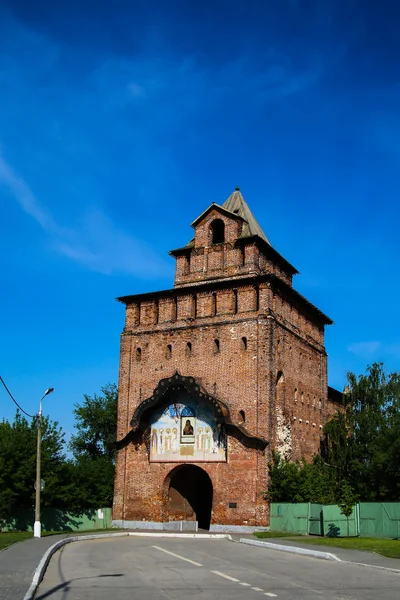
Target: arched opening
242, 416
188, 349
190, 495
218, 231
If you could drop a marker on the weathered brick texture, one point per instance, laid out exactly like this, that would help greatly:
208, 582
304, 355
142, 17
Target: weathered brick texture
233, 323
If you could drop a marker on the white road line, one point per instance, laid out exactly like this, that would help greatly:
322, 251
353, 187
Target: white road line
256, 589
177, 556
245, 584
225, 576
270, 594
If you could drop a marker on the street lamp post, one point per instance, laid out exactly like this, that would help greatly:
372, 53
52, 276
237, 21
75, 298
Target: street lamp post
37, 526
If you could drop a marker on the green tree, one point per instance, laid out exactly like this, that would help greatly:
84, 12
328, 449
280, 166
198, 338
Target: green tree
347, 502
299, 481
94, 450
362, 440
18, 464
96, 425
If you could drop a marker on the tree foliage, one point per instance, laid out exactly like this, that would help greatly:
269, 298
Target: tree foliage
18, 463
85, 482
94, 449
300, 481
360, 451
96, 425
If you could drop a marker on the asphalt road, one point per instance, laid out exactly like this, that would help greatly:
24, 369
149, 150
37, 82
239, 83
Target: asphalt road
178, 569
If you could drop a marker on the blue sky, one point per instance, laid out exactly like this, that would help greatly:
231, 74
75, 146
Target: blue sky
120, 122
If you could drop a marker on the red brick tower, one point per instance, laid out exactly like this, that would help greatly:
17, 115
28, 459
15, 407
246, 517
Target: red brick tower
214, 374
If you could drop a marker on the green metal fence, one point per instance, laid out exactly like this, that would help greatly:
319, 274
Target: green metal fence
53, 519
336, 524
380, 519
296, 518
368, 519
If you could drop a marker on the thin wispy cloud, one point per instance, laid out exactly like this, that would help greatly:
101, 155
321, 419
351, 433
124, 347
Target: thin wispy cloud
24, 196
375, 350
96, 242
367, 350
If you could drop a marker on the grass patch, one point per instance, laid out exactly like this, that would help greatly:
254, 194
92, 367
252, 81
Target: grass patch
384, 547
389, 548
272, 534
9, 538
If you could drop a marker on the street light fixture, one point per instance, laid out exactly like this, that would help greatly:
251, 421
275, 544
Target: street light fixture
37, 526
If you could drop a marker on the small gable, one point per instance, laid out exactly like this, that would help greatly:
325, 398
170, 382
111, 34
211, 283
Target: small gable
216, 225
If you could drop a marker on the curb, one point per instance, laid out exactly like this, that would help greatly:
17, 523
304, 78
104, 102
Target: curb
292, 549
42, 566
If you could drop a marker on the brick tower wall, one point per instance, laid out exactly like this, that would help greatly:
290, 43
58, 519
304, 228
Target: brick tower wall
277, 376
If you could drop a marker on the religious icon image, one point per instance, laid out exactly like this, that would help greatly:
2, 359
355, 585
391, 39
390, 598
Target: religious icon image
184, 433
188, 425
188, 429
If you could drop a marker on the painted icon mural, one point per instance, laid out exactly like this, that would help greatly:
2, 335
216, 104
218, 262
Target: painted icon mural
186, 434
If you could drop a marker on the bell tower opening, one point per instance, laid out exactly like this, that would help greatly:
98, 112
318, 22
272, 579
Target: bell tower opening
218, 231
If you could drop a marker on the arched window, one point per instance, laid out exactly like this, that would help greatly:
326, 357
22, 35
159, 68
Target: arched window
168, 352
244, 343
188, 349
138, 354
216, 346
242, 416
218, 231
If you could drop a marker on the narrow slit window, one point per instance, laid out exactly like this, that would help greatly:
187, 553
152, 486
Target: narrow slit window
214, 304
216, 346
242, 416
168, 352
195, 306
138, 354
235, 301
244, 343
188, 349
257, 302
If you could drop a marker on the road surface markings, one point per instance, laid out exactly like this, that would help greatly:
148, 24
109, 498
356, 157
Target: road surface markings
226, 576
256, 589
177, 556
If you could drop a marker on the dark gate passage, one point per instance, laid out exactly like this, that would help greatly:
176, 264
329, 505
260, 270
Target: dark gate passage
190, 495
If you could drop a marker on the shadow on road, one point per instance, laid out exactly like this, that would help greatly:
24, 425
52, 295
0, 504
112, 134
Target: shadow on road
65, 585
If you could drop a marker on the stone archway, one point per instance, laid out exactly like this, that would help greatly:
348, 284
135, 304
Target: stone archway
190, 494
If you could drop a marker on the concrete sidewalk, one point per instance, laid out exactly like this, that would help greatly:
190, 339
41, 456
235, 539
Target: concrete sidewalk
19, 562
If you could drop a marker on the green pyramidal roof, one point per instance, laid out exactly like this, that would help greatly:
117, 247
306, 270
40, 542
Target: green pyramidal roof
237, 204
